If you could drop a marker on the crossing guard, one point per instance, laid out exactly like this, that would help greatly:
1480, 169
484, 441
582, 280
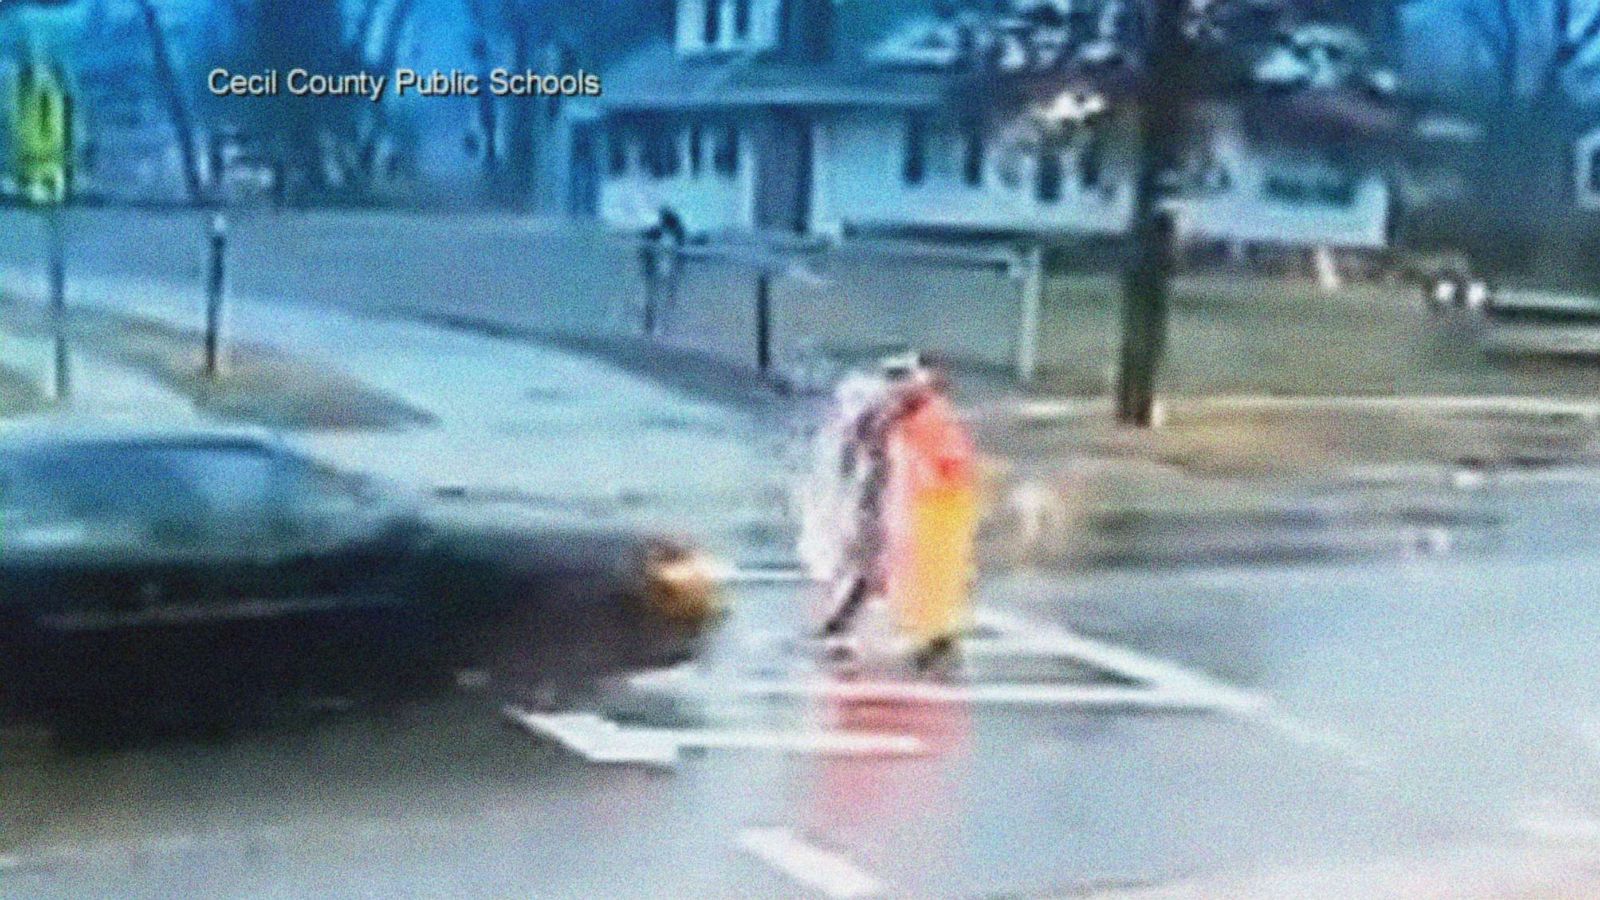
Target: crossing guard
932, 513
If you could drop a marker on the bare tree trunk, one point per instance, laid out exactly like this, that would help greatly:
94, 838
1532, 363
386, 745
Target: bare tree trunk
520, 142
177, 109
488, 108
366, 163
1148, 268
1552, 191
366, 21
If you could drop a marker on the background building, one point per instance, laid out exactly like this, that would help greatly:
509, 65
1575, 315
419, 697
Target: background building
757, 117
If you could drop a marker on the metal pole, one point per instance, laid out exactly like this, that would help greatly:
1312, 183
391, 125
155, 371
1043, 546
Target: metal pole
214, 288
58, 303
651, 257
764, 321
1149, 265
1031, 267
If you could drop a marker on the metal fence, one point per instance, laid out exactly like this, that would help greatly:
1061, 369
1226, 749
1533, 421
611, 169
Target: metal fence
787, 308
797, 311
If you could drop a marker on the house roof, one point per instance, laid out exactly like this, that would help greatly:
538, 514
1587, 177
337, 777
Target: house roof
1321, 115
656, 79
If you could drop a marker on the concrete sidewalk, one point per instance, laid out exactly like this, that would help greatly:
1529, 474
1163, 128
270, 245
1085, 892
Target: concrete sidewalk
606, 429
1230, 333
531, 427
101, 388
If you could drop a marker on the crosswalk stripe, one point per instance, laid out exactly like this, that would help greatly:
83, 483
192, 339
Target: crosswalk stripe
828, 872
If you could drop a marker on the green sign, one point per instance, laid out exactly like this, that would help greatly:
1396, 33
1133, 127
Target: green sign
42, 135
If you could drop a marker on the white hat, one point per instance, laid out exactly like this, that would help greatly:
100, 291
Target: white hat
902, 365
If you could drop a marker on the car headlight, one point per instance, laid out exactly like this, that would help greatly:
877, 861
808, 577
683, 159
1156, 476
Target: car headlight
1476, 296
682, 585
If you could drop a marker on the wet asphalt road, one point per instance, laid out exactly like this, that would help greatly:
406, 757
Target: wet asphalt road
1345, 710
1426, 687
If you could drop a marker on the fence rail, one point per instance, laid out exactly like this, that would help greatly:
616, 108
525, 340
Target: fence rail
665, 262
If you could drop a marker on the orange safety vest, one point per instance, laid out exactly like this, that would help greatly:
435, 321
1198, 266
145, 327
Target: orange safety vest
931, 519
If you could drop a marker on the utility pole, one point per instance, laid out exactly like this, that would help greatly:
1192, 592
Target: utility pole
1029, 269
764, 321
215, 283
57, 266
1148, 266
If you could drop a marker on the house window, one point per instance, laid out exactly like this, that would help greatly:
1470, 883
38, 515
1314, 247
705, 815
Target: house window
1047, 180
726, 156
661, 157
974, 152
1092, 161
914, 166
713, 22
741, 18
1326, 191
696, 149
617, 151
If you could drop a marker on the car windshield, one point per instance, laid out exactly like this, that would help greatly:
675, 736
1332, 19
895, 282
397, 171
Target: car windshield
114, 482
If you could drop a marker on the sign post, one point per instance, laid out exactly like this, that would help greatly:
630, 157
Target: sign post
764, 322
42, 133
1029, 268
215, 281
58, 303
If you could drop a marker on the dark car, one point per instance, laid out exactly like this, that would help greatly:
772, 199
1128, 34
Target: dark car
199, 572
1453, 289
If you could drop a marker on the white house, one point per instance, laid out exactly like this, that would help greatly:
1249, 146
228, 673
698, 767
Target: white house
1321, 190
1586, 173
723, 125
735, 130
963, 167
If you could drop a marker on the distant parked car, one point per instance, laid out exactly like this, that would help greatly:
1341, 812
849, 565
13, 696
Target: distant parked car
1446, 279
1456, 289
199, 570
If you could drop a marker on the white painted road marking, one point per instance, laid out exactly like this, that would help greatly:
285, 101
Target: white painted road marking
600, 740
825, 871
1160, 686
1560, 820
1174, 680
997, 694
762, 575
1575, 829
1313, 735
1039, 638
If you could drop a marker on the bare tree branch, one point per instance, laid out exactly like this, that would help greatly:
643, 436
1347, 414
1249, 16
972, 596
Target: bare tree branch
394, 27
1488, 33
488, 113
1501, 38
177, 109
366, 20
1586, 35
